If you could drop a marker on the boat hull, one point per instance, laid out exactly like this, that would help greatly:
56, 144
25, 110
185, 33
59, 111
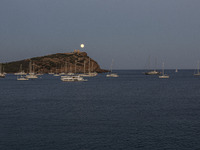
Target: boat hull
2, 75
197, 74
22, 79
164, 77
112, 75
72, 78
152, 73
31, 76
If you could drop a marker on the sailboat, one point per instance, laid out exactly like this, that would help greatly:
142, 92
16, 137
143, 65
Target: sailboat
176, 70
84, 74
31, 74
2, 75
93, 73
152, 72
21, 72
111, 74
71, 77
51, 72
70, 73
56, 74
163, 76
89, 74
22, 78
63, 71
198, 73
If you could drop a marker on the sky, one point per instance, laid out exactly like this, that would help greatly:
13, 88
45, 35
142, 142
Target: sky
134, 33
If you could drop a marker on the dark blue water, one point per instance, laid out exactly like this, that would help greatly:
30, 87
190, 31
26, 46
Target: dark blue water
133, 111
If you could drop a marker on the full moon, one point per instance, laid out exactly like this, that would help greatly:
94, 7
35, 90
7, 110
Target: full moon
82, 45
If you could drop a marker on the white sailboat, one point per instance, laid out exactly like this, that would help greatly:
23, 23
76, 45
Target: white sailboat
152, 72
70, 73
111, 74
198, 73
89, 74
2, 75
22, 78
31, 74
51, 72
93, 73
56, 74
63, 69
163, 76
21, 72
84, 74
176, 70
72, 78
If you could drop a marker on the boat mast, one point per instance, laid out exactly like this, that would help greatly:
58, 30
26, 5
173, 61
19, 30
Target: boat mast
75, 67
84, 66
92, 66
111, 66
89, 65
20, 68
30, 67
33, 67
71, 68
65, 67
163, 68
155, 64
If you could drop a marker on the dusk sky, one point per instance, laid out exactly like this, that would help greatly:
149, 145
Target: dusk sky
128, 31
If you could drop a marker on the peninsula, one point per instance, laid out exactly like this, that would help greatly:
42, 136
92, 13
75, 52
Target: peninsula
56, 63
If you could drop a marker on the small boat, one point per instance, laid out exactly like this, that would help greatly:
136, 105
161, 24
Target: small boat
22, 78
31, 74
163, 76
21, 72
72, 78
56, 75
70, 74
91, 74
112, 74
176, 70
154, 72
51, 72
2, 75
62, 73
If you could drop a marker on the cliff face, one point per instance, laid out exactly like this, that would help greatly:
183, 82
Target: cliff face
60, 62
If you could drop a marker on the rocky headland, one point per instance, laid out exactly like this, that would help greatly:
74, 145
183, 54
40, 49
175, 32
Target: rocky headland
56, 63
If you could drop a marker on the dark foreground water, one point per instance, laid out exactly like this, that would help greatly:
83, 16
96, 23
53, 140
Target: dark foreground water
131, 112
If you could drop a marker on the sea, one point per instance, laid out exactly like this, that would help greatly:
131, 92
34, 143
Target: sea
131, 112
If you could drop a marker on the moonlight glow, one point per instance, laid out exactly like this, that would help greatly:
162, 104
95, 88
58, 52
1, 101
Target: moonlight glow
82, 45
